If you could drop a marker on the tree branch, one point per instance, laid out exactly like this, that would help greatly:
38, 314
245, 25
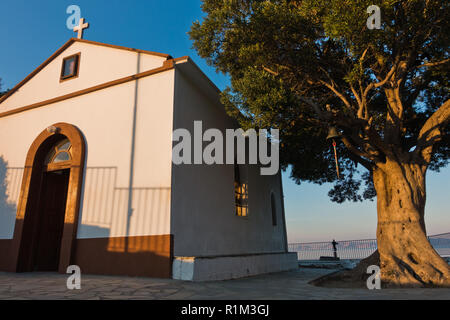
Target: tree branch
270, 71
358, 153
374, 85
336, 92
364, 162
433, 64
359, 101
323, 115
431, 132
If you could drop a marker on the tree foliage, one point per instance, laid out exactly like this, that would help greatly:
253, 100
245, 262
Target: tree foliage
2, 92
304, 66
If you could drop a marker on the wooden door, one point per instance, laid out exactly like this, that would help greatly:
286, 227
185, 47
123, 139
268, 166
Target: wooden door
51, 219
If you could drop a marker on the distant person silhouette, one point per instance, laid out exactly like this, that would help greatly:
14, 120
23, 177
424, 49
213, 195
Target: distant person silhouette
334, 243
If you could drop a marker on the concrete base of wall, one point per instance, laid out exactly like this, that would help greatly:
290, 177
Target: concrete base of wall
231, 267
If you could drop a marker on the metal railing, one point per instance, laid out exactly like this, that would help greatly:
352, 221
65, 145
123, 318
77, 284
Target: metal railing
358, 249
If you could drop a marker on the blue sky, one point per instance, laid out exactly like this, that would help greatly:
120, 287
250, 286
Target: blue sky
30, 31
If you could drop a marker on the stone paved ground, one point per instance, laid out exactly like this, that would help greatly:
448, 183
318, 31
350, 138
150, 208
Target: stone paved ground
286, 285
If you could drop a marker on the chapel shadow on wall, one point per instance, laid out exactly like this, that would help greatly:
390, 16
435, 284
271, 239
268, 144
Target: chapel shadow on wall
7, 208
142, 255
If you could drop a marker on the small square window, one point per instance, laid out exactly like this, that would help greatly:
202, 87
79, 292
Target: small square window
70, 67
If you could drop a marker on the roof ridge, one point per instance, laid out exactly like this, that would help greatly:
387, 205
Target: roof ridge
164, 55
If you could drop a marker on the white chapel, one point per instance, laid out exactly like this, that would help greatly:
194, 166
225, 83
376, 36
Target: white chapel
87, 178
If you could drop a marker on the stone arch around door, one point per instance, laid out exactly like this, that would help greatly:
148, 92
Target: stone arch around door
31, 192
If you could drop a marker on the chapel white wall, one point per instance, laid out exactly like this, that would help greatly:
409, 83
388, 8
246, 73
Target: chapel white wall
105, 119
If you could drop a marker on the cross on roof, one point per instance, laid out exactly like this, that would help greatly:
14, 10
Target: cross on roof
81, 28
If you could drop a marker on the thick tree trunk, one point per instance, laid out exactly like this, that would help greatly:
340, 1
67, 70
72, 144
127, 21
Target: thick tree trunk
406, 256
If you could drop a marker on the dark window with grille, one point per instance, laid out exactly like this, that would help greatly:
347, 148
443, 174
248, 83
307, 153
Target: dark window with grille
240, 193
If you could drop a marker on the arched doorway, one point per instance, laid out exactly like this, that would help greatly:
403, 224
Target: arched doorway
47, 213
